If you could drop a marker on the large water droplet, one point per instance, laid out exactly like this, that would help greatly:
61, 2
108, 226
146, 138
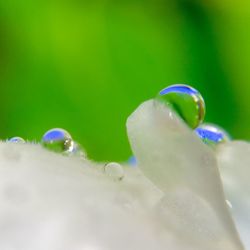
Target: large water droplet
114, 170
212, 134
16, 139
186, 101
58, 140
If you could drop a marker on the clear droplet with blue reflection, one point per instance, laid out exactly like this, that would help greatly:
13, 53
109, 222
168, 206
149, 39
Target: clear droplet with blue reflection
212, 134
16, 139
114, 170
186, 101
58, 140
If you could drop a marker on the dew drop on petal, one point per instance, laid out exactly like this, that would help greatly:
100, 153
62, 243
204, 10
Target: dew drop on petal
212, 134
114, 170
77, 150
132, 161
186, 101
16, 139
58, 140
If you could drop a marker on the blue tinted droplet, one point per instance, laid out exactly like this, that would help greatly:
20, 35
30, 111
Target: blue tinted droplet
186, 101
16, 139
132, 161
58, 140
212, 134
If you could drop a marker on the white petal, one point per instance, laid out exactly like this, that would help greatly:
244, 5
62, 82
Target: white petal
234, 164
53, 202
176, 161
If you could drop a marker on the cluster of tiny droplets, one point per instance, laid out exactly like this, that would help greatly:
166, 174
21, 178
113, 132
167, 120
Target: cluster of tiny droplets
60, 141
189, 104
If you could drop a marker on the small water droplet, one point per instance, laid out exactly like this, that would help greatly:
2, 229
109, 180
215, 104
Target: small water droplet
114, 170
132, 161
186, 101
77, 150
58, 140
16, 139
212, 134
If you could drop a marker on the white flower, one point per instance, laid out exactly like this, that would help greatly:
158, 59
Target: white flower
174, 200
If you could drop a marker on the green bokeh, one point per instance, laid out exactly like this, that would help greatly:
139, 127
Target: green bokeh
86, 65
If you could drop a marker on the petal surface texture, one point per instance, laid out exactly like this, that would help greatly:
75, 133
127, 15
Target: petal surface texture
234, 164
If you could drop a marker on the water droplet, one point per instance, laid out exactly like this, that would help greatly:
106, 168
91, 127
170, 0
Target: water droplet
16, 139
77, 150
114, 170
186, 101
58, 140
132, 161
212, 134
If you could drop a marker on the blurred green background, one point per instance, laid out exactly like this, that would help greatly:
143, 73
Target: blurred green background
86, 65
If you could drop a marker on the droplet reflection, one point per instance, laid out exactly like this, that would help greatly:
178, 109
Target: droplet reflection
132, 161
186, 101
212, 134
16, 139
58, 140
